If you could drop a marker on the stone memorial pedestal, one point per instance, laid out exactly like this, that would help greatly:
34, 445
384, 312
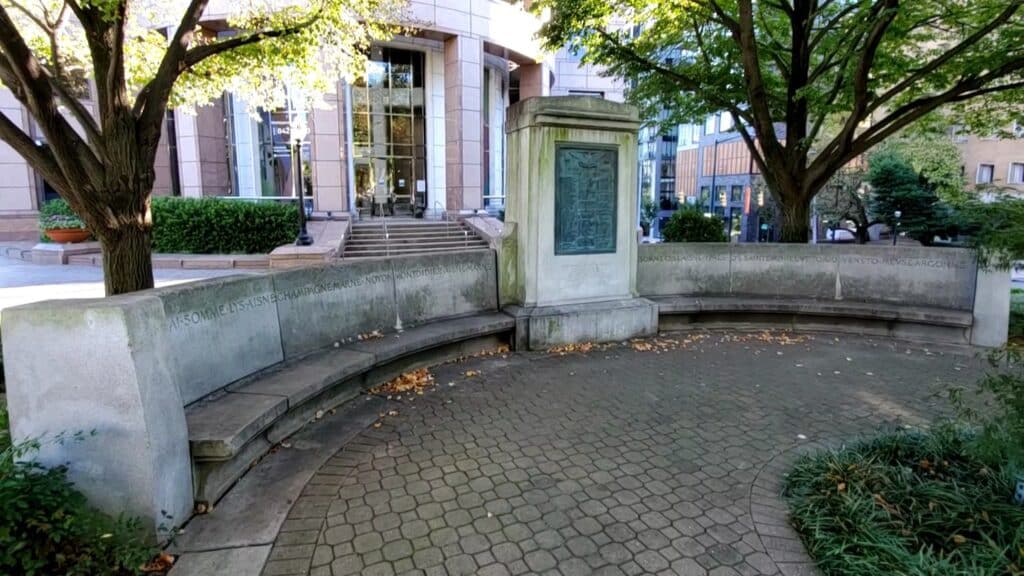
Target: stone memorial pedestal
569, 259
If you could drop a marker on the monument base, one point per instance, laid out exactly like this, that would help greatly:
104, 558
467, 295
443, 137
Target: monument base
542, 327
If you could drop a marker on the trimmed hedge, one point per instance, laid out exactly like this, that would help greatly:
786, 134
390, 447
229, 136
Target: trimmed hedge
218, 226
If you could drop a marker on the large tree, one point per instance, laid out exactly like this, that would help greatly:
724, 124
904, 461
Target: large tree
141, 55
789, 71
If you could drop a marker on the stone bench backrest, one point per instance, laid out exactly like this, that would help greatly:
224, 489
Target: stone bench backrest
912, 276
219, 330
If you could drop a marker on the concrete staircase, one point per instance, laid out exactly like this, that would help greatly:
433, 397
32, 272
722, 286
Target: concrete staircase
393, 237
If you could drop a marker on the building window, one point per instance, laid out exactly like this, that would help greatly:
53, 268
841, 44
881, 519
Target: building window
736, 194
260, 152
709, 124
720, 190
591, 93
725, 123
1016, 175
705, 195
985, 172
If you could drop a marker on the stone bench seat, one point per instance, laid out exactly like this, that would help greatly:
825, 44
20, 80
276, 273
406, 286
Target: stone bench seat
866, 318
812, 307
230, 428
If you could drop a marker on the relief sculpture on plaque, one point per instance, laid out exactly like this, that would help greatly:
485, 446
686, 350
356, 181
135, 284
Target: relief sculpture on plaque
586, 188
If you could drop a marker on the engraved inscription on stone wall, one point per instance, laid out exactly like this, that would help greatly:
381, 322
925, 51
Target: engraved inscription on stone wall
688, 254
585, 199
186, 319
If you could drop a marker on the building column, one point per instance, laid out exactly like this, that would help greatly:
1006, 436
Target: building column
189, 167
327, 154
463, 112
533, 81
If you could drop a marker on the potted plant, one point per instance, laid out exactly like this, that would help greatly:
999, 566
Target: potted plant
61, 224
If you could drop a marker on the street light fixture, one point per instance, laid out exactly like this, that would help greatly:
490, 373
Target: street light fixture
896, 228
298, 128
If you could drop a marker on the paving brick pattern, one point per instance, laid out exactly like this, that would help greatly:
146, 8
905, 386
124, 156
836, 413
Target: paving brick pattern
613, 462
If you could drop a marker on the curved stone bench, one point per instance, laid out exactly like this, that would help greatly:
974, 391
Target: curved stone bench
877, 318
185, 386
229, 429
918, 293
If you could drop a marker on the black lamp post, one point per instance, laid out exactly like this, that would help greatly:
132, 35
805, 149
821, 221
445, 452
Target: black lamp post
298, 128
896, 227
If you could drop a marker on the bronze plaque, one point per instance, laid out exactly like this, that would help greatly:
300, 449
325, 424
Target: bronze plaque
586, 191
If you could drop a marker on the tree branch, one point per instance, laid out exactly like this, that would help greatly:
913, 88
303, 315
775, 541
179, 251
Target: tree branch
40, 158
28, 78
200, 53
946, 56
81, 114
883, 15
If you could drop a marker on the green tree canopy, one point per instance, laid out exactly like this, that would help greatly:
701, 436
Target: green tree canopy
936, 158
812, 84
897, 187
142, 55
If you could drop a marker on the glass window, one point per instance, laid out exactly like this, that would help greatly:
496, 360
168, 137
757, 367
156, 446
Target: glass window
736, 194
1016, 173
985, 172
591, 93
725, 123
389, 133
720, 192
709, 124
705, 195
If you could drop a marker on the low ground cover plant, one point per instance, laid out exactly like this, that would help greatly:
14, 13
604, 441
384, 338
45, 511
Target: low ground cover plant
929, 502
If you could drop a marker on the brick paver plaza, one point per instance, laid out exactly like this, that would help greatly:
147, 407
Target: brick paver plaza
614, 461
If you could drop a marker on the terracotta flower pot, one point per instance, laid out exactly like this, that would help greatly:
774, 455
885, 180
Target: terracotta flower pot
68, 235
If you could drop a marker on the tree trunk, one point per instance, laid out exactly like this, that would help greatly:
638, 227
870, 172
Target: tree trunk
862, 234
796, 216
127, 258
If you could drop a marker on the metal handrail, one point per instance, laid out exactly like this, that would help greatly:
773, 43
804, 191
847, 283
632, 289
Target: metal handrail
444, 216
387, 237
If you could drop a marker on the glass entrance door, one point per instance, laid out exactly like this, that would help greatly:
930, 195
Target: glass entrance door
389, 134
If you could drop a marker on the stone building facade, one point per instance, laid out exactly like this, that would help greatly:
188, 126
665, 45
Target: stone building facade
422, 134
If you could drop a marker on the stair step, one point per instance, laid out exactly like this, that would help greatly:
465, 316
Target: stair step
393, 240
397, 250
385, 253
376, 239
412, 237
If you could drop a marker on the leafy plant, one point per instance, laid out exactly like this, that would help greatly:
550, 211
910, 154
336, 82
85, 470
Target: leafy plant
47, 527
648, 209
56, 207
907, 503
994, 229
59, 222
56, 214
217, 226
690, 225
999, 421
